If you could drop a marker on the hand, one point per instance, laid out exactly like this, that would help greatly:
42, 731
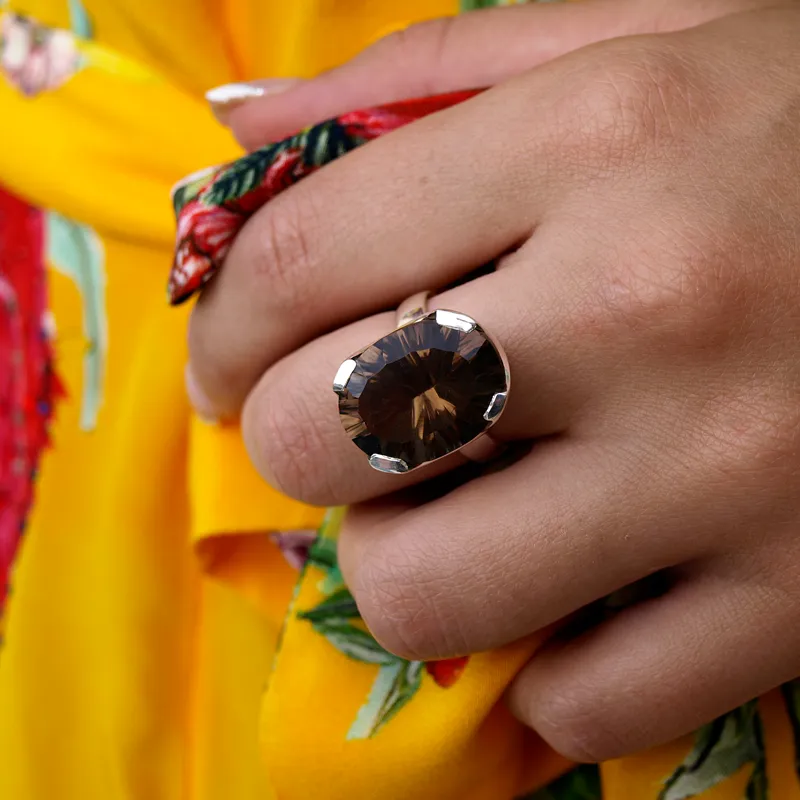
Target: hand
648, 192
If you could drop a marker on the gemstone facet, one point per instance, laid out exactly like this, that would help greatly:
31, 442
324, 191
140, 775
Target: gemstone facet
421, 392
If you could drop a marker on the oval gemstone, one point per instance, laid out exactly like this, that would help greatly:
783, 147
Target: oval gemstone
422, 391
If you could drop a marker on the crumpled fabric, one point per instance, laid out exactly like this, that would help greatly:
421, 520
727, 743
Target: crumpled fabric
212, 206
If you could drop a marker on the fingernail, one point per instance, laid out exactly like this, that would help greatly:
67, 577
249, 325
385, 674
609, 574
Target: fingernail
197, 397
224, 99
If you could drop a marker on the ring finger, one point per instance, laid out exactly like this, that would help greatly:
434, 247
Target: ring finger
294, 433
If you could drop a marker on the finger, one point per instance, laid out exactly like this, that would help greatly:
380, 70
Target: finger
509, 553
291, 423
435, 57
224, 99
659, 670
359, 236
438, 56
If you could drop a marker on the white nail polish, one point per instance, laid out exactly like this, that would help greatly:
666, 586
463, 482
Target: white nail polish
234, 93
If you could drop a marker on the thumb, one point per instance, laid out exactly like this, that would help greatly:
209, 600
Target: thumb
474, 50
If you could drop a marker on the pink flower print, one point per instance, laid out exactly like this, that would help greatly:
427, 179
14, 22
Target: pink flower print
295, 546
36, 58
205, 234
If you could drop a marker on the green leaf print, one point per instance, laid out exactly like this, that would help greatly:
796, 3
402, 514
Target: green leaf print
329, 530
396, 684
241, 176
791, 696
189, 188
80, 23
325, 143
181, 197
323, 553
340, 605
472, 5
75, 250
314, 146
720, 750
397, 680
581, 783
353, 642
757, 787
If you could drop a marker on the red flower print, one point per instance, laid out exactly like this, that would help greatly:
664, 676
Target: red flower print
447, 672
235, 191
205, 234
27, 385
373, 122
286, 169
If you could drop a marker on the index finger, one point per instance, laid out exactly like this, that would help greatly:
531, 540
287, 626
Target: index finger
434, 57
393, 218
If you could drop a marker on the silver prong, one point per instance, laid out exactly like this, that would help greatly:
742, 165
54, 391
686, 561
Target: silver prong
496, 406
343, 375
451, 319
387, 463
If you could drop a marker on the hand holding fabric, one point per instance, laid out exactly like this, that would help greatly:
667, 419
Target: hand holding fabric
642, 196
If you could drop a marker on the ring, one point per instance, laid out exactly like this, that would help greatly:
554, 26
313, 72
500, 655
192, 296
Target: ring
431, 387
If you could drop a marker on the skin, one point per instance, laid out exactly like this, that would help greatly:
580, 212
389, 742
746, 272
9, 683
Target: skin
646, 191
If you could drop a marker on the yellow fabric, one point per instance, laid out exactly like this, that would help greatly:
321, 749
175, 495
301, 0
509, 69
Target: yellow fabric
140, 647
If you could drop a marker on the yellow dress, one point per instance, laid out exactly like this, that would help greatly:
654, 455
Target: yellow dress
141, 656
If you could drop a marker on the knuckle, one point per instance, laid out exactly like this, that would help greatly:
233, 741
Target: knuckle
391, 48
283, 259
676, 290
631, 99
751, 440
575, 723
285, 443
407, 607
425, 44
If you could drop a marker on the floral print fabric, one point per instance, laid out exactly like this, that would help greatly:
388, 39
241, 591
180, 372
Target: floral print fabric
34, 59
27, 384
211, 206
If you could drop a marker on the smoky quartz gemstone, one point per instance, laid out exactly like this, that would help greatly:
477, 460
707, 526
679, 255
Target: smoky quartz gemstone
422, 391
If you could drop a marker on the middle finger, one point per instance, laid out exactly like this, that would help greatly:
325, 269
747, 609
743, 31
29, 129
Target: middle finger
496, 559
292, 426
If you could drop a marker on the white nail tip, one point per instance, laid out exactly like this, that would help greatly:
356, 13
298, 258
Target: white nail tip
233, 93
